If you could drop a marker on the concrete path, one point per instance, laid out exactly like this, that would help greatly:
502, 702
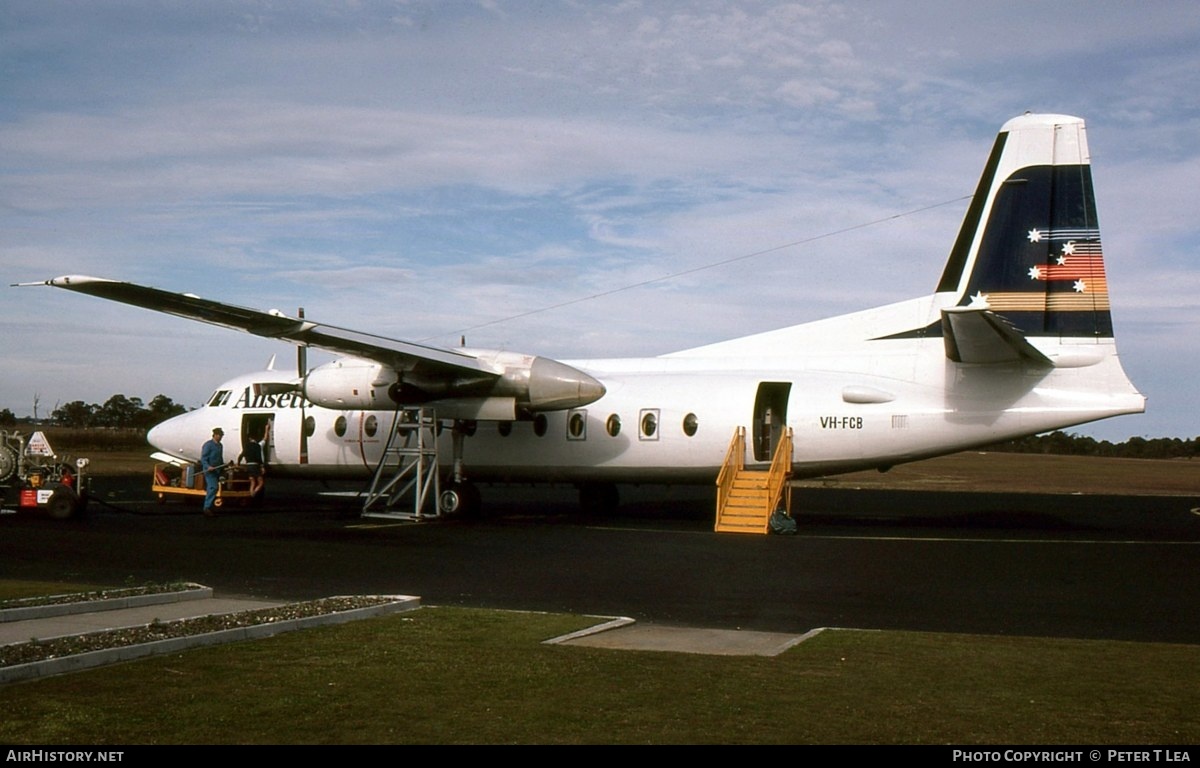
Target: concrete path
623, 633
49, 627
46, 622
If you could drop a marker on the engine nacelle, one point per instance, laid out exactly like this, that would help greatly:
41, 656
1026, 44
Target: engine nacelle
507, 382
350, 384
539, 383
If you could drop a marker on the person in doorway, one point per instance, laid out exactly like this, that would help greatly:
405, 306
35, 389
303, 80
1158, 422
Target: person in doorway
212, 462
252, 454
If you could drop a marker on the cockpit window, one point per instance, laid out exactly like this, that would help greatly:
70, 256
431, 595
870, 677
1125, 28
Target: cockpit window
220, 397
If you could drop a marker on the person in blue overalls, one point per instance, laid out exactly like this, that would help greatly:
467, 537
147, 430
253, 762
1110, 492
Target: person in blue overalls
212, 462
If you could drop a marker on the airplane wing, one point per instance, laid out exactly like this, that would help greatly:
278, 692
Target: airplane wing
274, 325
978, 335
421, 373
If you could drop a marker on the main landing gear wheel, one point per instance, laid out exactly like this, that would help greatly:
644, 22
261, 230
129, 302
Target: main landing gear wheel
461, 498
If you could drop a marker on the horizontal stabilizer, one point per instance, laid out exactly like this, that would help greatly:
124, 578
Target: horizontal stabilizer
978, 335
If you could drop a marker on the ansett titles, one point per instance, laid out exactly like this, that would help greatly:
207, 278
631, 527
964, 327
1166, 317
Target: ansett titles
251, 399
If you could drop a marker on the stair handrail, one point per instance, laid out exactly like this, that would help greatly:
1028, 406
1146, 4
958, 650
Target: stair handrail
781, 472
735, 459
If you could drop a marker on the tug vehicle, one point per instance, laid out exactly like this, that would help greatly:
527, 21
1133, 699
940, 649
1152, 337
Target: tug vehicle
34, 478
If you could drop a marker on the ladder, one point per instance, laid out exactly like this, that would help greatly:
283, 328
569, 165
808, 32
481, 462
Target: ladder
405, 484
747, 497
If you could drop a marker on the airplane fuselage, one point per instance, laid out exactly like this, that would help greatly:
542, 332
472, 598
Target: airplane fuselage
670, 419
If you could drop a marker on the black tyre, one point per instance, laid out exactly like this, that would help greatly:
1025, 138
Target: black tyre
63, 504
461, 499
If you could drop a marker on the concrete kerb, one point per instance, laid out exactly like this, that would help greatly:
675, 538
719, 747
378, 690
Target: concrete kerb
50, 610
614, 622
92, 659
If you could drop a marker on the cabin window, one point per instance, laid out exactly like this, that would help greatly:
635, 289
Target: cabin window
577, 425
339, 426
504, 428
371, 426
310, 426
648, 424
613, 425
539, 425
690, 424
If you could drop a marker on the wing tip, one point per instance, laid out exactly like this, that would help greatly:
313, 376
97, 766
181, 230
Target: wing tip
67, 281
64, 281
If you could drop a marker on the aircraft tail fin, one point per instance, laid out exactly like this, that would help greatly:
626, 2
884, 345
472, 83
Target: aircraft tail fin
1029, 247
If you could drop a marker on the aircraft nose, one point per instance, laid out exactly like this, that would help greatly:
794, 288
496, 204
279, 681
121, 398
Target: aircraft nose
155, 435
174, 436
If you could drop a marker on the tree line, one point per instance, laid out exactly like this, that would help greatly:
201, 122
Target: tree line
118, 412
1063, 443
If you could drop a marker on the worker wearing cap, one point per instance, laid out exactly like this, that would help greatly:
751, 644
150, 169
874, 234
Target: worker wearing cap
212, 461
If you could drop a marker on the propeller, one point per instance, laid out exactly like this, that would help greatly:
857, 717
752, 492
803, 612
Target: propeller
301, 370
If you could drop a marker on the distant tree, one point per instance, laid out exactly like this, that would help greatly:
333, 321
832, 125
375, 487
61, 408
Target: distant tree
160, 409
76, 414
1134, 448
7, 418
119, 411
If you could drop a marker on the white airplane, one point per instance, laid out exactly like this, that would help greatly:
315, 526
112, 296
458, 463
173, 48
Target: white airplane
1016, 339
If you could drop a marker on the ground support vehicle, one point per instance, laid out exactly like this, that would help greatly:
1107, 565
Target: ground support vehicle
186, 481
34, 478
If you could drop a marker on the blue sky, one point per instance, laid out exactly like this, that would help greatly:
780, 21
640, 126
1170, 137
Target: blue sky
428, 169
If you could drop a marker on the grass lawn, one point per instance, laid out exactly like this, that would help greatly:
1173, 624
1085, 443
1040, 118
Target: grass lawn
451, 675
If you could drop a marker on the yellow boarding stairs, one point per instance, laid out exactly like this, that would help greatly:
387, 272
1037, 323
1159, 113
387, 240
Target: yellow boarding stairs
747, 497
